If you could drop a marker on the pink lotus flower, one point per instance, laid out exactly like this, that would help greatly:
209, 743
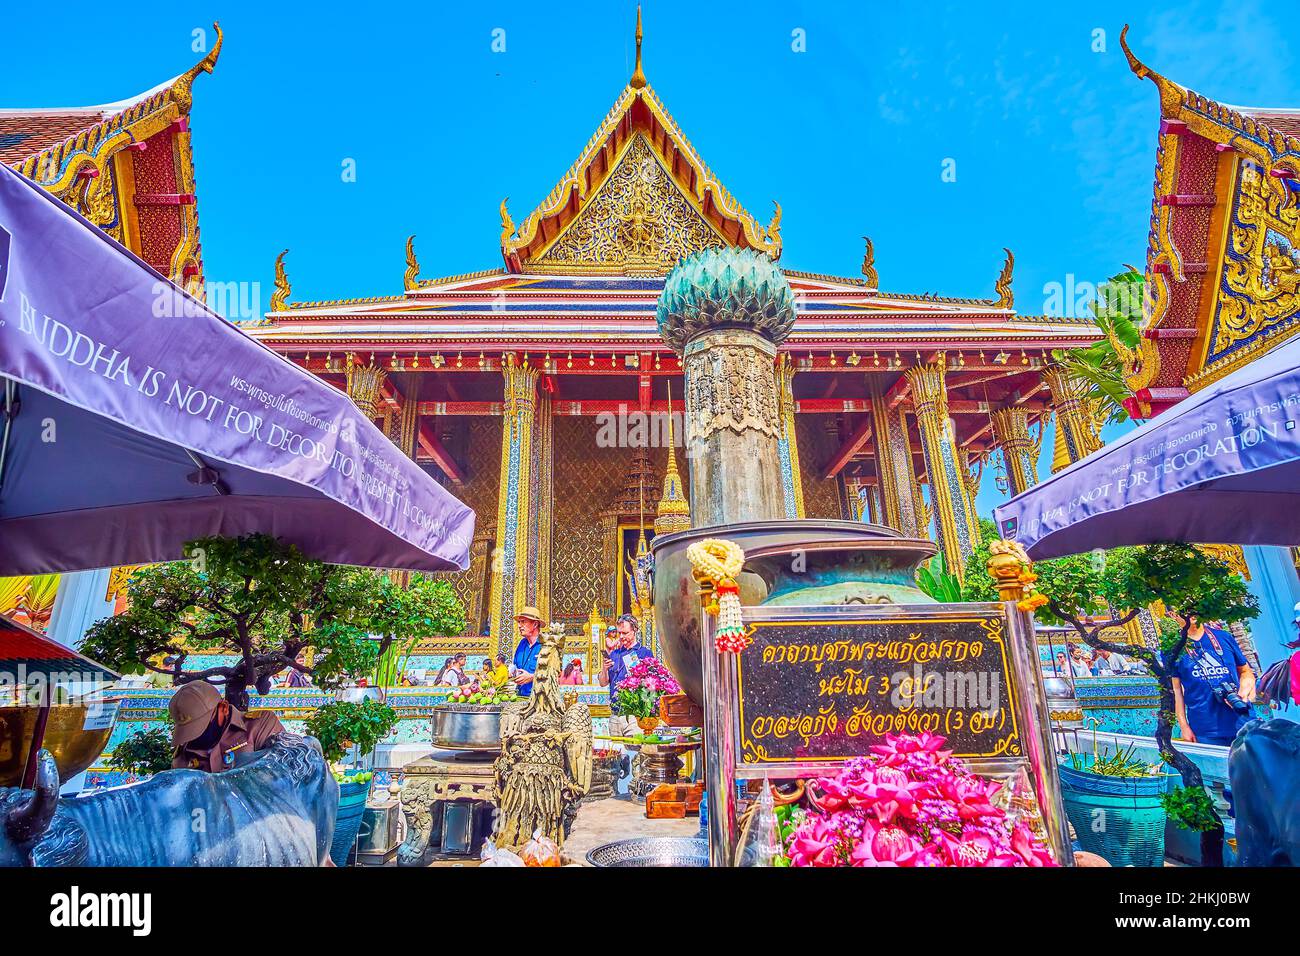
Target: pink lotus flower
910, 804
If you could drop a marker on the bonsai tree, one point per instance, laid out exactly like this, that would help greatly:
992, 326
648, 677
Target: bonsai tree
1096, 592
144, 752
261, 601
341, 725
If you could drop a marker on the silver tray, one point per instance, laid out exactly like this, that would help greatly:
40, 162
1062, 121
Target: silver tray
652, 851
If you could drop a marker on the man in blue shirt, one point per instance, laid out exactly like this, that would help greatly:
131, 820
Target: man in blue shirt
529, 621
625, 655
1211, 659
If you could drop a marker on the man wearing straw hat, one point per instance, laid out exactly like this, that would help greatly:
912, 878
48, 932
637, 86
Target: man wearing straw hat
529, 621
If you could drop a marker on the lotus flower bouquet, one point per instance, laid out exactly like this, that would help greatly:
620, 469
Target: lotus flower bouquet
910, 803
638, 694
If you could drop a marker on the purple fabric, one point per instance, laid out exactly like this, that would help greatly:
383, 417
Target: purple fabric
119, 376
1221, 467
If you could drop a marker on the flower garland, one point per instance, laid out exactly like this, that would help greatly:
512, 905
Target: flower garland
718, 563
910, 803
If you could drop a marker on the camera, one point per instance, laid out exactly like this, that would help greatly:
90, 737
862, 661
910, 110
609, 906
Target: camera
1227, 693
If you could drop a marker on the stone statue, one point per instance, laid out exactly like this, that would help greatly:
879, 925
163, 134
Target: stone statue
545, 765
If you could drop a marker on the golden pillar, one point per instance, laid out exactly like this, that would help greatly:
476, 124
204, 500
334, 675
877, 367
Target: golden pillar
1011, 429
408, 421
513, 584
1076, 436
788, 442
899, 499
944, 465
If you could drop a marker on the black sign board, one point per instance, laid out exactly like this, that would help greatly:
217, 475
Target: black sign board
826, 690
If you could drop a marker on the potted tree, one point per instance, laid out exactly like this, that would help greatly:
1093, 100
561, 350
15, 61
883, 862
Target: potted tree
1096, 592
260, 601
356, 727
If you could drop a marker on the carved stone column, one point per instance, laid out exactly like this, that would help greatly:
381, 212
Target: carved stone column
894, 465
1075, 433
1011, 429
512, 578
788, 444
949, 488
726, 312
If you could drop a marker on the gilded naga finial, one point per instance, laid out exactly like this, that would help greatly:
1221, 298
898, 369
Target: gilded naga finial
638, 76
773, 231
1006, 298
507, 225
280, 297
182, 89
412, 278
869, 264
1171, 94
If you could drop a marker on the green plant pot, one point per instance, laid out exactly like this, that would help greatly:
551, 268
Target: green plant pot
352, 804
1120, 819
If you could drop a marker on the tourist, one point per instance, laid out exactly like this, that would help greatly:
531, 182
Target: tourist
453, 672
1079, 666
625, 655
1108, 664
208, 732
529, 622
1062, 664
1213, 686
573, 672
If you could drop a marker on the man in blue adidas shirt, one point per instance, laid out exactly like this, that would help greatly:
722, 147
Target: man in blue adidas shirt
1206, 713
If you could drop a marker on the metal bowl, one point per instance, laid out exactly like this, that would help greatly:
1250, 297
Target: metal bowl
67, 738
467, 726
652, 851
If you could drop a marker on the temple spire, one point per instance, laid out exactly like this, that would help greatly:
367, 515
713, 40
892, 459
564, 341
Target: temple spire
673, 512
638, 76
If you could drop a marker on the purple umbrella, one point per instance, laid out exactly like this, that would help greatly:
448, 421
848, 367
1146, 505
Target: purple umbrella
1221, 467
133, 419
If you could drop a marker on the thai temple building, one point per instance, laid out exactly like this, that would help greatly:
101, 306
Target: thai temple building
1222, 277
540, 392
127, 168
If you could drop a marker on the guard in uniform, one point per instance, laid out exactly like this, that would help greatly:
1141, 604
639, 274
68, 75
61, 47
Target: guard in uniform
209, 734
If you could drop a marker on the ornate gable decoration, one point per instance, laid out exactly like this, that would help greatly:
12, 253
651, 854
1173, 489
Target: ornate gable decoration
637, 199
638, 222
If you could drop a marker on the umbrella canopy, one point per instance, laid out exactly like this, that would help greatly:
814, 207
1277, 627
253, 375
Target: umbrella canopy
133, 419
1221, 467
31, 653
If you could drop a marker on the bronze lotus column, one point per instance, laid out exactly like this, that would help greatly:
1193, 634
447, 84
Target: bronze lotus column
949, 489
726, 312
1011, 429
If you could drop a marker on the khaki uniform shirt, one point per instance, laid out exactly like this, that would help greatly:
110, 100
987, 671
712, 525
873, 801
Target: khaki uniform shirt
244, 733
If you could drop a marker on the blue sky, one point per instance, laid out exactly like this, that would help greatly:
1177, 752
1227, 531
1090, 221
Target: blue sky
1053, 142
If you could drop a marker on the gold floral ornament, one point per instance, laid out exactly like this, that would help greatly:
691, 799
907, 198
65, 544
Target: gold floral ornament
1012, 574
716, 563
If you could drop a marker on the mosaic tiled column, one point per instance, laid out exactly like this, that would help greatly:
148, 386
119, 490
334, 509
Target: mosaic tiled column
1011, 429
1075, 434
512, 565
788, 443
949, 490
898, 497
408, 439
